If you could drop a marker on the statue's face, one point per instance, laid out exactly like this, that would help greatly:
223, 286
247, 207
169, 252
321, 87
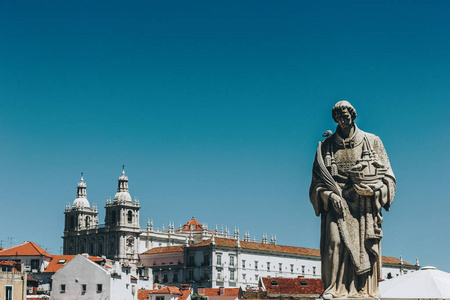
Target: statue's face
344, 118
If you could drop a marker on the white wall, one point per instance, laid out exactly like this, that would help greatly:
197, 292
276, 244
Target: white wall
78, 271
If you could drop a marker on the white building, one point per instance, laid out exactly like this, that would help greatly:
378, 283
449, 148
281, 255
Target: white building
221, 262
121, 237
81, 278
35, 261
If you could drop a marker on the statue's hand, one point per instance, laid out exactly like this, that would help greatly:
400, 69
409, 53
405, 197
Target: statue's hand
337, 203
363, 189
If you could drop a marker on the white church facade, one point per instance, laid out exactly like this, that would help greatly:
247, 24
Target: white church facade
120, 237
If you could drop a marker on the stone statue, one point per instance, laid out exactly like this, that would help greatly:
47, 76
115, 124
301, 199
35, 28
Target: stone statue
352, 180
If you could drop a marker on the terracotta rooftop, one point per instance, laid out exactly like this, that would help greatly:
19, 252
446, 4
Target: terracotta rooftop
182, 294
299, 285
191, 225
14, 265
394, 261
166, 290
164, 250
215, 292
58, 261
26, 249
143, 294
231, 243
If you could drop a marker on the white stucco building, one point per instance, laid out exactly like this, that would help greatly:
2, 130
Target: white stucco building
228, 262
81, 278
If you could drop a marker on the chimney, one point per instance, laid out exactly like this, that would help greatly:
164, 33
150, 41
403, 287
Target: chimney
221, 291
201, 291
185, 287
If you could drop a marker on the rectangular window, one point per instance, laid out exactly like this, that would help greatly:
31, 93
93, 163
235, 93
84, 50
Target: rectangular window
165, 279
232, 275
8, 292
159, 297
62, 288
256, 277
191, 260
219, 275
244, 276
191, 275
83, 288
314, 270
303, 270
268, 266
175, 277
280, 267
205, 259
231, 261
156, 279
219, 260
35, 264
243, 264
292, 268
256, 265
99, 288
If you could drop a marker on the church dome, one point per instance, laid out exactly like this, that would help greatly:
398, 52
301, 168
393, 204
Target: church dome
122, 197
81, 201
122, 194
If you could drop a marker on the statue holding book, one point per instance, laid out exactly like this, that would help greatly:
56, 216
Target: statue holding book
352, 181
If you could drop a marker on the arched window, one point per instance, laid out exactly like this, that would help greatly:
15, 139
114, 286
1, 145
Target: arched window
87, 222
130, 216
113, 218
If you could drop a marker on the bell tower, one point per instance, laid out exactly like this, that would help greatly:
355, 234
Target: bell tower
79, 220
122, 220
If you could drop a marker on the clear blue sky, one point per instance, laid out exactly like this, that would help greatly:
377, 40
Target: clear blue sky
216, 108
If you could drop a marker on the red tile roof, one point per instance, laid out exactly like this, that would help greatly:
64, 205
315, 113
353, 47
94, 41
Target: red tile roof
58, 261
185, 294
231, 243
165, 250
187, 227
173, 290
394, 261
15, 265
167, 290
299, 285
143, 294
26, 249
32, 279
215, 292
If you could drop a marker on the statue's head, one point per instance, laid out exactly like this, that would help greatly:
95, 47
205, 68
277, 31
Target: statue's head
343, 113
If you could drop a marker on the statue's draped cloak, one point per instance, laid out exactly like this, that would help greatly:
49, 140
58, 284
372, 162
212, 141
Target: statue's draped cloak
351, 242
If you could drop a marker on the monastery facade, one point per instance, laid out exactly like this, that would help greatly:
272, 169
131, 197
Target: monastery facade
120, 237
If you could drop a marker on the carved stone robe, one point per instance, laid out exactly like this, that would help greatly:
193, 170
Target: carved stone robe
350, 243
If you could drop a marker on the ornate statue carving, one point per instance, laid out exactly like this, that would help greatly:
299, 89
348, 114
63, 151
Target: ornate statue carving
352, 180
